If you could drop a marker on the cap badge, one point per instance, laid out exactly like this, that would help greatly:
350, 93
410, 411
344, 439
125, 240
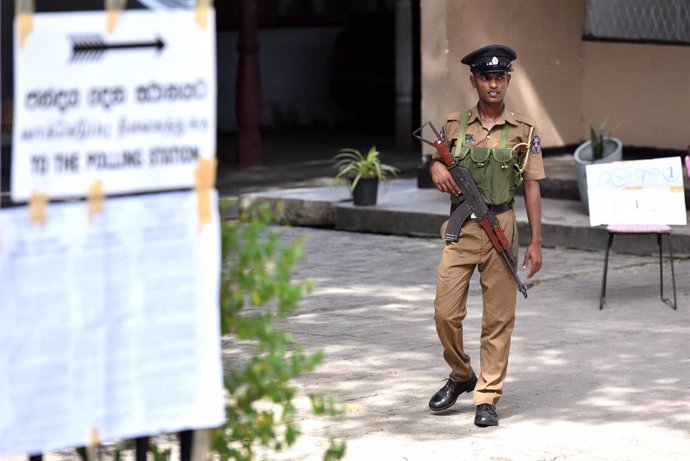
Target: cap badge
494, 61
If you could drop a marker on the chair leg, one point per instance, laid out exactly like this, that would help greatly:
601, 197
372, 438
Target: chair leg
674, 305
606, 268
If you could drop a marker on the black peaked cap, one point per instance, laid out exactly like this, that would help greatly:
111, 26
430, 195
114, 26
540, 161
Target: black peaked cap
491, 58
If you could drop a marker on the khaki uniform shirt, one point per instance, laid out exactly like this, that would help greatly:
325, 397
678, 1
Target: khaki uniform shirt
477, 136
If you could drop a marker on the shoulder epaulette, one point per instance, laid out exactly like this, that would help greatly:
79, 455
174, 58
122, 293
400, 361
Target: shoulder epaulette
453, 117
524, 119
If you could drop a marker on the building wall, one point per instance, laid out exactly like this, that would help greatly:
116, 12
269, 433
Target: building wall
564, 83
435, 75
642, 91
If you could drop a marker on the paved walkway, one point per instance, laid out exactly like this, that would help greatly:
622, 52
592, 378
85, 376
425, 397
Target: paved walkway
583, 384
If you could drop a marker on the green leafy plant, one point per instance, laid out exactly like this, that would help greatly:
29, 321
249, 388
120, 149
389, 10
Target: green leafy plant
257, 290
596, 138
353, 165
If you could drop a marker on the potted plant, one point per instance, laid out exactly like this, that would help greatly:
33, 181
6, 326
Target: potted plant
364, 173
600, 148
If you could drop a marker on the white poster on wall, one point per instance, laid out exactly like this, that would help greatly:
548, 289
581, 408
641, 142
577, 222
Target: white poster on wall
637, 192
134, 108
109, 329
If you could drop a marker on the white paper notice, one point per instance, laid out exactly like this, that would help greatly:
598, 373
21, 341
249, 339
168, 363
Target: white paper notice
112, 326
637, 192
134, 108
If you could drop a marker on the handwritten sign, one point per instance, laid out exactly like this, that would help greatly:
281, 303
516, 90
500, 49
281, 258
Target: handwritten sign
134, 109
637, 192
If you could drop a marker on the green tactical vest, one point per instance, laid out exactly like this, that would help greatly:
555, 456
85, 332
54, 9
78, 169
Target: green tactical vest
496, 171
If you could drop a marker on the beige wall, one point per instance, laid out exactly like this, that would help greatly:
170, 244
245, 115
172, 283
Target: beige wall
642, 91
563, 82
434, 60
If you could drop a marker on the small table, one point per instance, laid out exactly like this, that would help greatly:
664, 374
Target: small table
658, 230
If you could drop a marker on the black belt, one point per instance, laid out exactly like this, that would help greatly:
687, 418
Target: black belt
497, 209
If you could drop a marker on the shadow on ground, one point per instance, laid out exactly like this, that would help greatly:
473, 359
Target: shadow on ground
372, 313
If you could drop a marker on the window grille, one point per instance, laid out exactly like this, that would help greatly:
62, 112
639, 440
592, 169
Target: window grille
644, 21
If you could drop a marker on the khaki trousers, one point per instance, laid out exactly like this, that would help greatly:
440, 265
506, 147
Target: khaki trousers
499, 295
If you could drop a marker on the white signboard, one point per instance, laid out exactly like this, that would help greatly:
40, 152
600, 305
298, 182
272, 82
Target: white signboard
110, 328
134, 109
637, 192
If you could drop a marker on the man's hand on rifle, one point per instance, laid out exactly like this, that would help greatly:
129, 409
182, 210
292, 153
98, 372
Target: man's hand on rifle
442, 178
533, 258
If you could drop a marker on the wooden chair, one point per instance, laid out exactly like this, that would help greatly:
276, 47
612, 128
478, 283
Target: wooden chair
657, 230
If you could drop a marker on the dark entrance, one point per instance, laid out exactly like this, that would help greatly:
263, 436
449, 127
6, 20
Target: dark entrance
344, 90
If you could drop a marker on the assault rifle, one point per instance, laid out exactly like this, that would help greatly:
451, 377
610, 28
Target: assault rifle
473, 205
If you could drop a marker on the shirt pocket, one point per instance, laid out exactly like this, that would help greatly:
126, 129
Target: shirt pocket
504, 157
480, 156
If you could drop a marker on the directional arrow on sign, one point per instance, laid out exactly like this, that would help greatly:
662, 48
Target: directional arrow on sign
92, 47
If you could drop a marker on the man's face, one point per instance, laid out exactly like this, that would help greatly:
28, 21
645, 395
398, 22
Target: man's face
491, 86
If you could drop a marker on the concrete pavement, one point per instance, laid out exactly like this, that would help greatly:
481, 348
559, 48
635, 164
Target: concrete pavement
583, 384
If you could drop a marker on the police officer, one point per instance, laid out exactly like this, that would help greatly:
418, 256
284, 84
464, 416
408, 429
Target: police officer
502, 150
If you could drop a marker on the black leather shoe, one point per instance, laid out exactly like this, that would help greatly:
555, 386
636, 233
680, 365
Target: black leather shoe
486, 415
449, 393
